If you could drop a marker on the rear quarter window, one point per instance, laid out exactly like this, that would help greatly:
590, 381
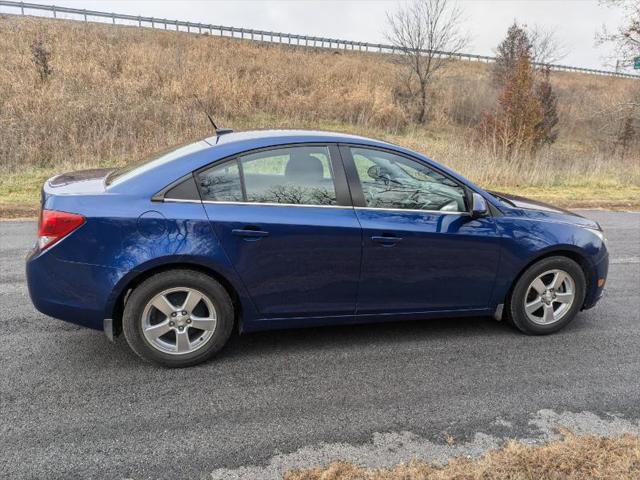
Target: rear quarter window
184, 190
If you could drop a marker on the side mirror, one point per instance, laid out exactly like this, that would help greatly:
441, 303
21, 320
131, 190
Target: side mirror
479, 206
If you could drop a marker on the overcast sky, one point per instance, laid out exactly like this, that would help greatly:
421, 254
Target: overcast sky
575, 21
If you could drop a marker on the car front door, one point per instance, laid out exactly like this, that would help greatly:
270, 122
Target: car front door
422, 251
285, 220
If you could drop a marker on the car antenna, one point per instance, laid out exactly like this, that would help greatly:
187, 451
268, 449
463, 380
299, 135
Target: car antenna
219, 131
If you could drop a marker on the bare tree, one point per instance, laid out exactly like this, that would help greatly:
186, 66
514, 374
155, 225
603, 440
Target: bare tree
42, 59
548, 127
546, 48
627, 135
422, 30
626, 37
625, 116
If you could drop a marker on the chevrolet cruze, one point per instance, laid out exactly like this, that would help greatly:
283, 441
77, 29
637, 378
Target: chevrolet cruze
274, 229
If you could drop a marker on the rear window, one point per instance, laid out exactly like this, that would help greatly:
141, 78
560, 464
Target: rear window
288, 175
151, 161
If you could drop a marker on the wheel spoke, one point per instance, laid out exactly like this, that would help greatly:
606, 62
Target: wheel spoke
533, 306
549, 314
203, 323
156, 331
182, 341
563, 297
163, 304
193, 298
539, 286
558, 280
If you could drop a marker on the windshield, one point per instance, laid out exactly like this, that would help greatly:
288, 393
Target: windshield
151, 161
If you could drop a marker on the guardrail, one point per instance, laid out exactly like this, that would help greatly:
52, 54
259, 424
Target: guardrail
24, 8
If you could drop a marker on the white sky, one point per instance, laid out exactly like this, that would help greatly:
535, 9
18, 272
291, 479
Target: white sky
575, 21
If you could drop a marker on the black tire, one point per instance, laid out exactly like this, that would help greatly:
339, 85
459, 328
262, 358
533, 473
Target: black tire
515, 304
132, 319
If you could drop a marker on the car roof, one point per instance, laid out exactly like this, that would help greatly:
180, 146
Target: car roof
191, 157
291, 136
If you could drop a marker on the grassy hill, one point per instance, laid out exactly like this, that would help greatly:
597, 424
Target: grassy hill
117, 93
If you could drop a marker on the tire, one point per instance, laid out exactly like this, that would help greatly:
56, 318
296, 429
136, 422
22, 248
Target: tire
156, 329
564, 295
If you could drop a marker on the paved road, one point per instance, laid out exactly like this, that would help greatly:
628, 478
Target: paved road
74, 405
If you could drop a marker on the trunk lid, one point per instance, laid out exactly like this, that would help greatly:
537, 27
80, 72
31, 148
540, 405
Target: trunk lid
82, 182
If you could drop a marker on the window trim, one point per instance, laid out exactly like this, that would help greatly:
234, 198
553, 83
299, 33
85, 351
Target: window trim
357, 192
411, 210
273, 204
343, 197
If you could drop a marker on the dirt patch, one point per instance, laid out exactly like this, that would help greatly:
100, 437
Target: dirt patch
18, 212
572, 457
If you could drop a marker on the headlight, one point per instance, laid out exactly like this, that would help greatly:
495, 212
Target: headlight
599, 234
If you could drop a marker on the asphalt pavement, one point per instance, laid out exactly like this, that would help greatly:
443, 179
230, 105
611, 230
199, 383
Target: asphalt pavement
73, 405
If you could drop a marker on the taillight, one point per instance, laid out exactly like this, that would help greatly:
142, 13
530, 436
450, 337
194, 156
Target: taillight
54, 226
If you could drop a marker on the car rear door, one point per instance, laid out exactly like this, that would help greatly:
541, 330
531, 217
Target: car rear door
422, 251
285, 220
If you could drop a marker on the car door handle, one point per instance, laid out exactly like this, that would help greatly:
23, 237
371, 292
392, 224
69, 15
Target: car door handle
386, 240
248, 233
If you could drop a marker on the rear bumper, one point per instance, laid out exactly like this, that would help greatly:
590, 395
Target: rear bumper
70, 291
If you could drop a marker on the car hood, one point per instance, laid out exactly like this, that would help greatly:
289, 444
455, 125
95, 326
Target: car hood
540, 210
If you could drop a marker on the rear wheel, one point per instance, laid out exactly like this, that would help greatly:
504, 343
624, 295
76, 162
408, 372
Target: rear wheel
547, 296
178, 318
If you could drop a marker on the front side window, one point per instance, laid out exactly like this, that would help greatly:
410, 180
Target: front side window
393, 181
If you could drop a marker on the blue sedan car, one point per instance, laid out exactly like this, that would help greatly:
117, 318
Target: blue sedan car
272, 229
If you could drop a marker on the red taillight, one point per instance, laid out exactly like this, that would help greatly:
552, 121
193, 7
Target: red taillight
54, 226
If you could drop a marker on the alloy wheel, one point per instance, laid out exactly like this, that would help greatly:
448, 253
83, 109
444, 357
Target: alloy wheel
179, 320
549, 297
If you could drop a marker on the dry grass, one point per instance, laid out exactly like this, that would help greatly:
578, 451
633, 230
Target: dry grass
117, 93
572, 458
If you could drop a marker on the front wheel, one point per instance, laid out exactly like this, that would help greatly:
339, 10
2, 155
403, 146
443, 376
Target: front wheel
178, 318
547, 296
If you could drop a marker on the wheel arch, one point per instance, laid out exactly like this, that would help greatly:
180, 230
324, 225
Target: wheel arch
117, 308
568, 252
